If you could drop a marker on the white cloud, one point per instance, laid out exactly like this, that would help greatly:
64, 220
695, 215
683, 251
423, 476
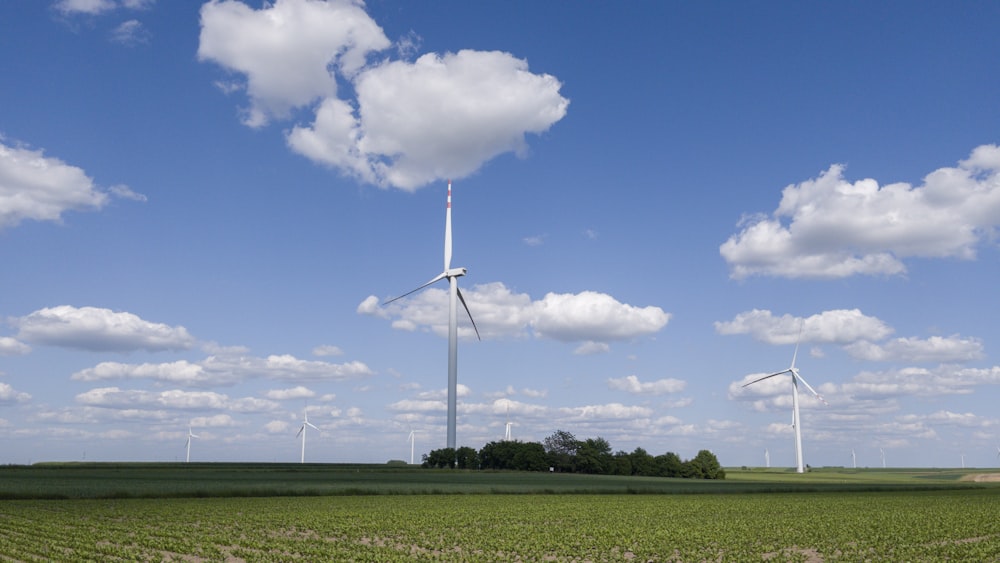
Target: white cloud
34, 186
590, 348
440, 116
327, 350
922, 382
226, 369
917, 350
631, 384
92, 328
214, 421
614, 411
90, 7
840, 326
588, 317
837, 229
10, 395
130, 32
277, 427
113, 397
298, 392
286, 49
12, 347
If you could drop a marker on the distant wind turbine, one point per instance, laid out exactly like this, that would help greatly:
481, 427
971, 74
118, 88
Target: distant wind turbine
412, 438
506, 433
452, 275
190, 435
302, 432
854, 459
882, 452
963, 461
796, 378
767, 458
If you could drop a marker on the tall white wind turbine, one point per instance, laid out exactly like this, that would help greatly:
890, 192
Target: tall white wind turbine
881, 452
412, 438
452, 275
302, 432
190, 435
854, 459
796, 378
767, 458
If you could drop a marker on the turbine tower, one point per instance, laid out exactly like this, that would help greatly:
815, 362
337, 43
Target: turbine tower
882, 453
767, 458
302, 432
796, 378
452, 275
412, 438
506, 433
854, 459
190, 435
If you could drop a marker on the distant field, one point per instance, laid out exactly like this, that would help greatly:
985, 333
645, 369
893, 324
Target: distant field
175, 480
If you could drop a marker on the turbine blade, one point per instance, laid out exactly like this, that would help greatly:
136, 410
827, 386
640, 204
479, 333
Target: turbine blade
297, 434
767, 377
439, 277
798, 340
447, 232
311, 425
795, 373
462, 299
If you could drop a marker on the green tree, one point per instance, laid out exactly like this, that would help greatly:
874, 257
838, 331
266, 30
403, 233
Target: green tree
706, 466
439, 459
593, 455
561, 449
669, 465
642, 463
467, 458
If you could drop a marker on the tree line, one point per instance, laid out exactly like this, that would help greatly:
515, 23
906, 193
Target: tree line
563, 452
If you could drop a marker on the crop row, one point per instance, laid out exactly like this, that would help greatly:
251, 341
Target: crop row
913, 526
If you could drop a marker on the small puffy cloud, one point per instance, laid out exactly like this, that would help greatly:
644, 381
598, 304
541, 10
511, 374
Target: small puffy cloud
179, 372
631, 384
116, 398
95, 329
918, 350
277, 427
12, 347
327, 350
591, 318
89, 7
590, 348
298, 392
130, 33
840, 326
10, 395
613, 411
286, 49
829, 227
214, 421
34, 186
534, 240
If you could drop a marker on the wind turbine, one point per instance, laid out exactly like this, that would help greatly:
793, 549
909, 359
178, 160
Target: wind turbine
796, 378
963, 461
412, 438
452, 275
302, 431
506, 433
882, 452
190, 435
854, 458
767, 458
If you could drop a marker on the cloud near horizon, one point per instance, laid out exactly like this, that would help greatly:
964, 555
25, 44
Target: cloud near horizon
587, 317
828, 227
440, 116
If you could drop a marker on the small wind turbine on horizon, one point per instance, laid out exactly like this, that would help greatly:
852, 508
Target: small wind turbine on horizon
767, 458
188, 445
854, 458
455, 295
302, 432
882, 453
963, 461
796, 378
412, 438
506, 433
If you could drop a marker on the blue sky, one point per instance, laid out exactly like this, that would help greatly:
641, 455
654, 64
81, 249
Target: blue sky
204, 205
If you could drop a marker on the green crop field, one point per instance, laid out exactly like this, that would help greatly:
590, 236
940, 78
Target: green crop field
369, 513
